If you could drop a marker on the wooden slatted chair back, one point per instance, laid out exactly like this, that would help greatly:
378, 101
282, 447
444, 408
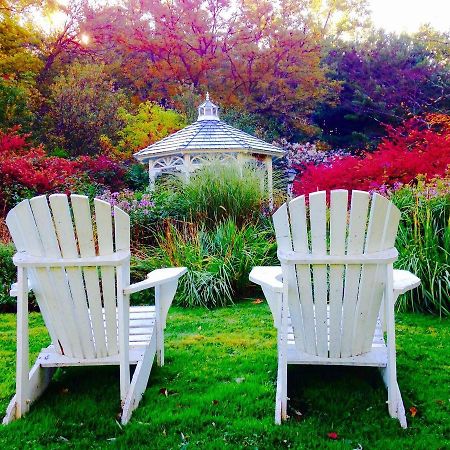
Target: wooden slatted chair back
335, 261
78, 302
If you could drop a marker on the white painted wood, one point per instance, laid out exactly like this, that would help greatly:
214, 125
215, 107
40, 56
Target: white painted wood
38, 381
281, 392
155, 278
116, 259
404, 281
338, 231
318, 220
269, 276
139, 381
82, 344
50, 286
14, 226
103, 217
123, 307
344, 313
355, 245
49, 263
164, 295
391, 223
300, 299
371, 288
86, 243
375, 258
22, 366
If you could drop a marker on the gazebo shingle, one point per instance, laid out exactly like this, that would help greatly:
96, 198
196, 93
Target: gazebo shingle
208, 135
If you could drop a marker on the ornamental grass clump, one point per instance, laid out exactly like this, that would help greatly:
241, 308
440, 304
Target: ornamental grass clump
218, 192
423, 242
218, 259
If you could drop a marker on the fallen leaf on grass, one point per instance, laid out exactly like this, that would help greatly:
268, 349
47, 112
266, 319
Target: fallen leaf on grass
164, 391
257, 301
333, 435
297, 414
413, 411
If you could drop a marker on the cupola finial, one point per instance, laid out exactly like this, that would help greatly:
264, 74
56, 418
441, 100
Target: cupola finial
208, 110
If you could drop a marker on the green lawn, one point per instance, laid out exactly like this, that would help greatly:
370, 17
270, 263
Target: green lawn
220, 383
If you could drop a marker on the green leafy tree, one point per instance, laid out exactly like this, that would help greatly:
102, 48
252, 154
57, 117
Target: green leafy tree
149, 124
84, 105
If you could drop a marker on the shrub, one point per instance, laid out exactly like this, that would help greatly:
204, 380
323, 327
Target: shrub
419, 146
136, 177
140, 207
218, 260
103, 170
423, 243
26, 171
300, 156
7, 276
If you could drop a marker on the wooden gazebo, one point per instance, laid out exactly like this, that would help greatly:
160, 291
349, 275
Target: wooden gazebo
207, 139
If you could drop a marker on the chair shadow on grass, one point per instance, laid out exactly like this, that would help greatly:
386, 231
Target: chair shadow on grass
336, 393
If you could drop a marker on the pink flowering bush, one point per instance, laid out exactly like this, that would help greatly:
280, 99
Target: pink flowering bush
299, 156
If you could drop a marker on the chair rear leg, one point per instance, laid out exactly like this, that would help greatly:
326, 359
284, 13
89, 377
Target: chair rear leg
39, 379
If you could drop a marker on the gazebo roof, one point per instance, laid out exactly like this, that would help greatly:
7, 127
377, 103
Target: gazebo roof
208, 133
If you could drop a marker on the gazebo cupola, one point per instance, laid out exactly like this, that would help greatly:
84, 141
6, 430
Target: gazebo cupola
208, 110
207, 139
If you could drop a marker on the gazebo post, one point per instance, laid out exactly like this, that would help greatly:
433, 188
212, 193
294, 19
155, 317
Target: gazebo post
268, 163
151, 176
187, 166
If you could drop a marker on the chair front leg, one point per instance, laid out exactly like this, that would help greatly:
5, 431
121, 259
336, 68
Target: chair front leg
23, 364
123, 307
395, 402
281, 396
164, 295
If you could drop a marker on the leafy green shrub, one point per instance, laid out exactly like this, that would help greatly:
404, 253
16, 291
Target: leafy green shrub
7, 275
423, 243
136, 177
218, 260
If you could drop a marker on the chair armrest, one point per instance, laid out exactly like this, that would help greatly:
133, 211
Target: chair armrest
13, 292
404, 281
269, 277
156, 278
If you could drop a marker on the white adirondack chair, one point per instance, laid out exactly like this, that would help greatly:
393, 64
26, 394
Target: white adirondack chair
80, 274
335, 291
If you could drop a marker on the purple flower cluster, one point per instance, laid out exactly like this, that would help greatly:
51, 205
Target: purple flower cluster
299, 156
434, 188
128, 201
386, 190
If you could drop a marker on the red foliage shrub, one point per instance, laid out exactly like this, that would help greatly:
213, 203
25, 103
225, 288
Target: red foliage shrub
26, 170
419, 146
103, 170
